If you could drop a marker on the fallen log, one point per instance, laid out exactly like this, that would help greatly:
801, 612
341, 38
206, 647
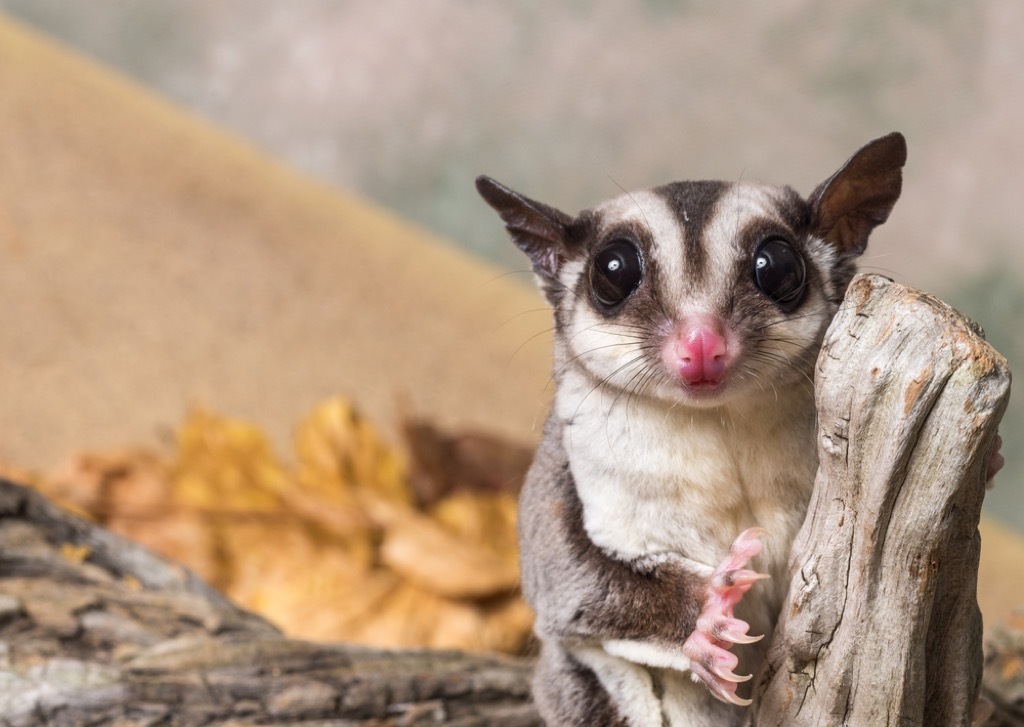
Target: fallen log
97, 630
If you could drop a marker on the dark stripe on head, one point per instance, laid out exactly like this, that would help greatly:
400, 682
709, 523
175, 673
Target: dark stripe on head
694, 205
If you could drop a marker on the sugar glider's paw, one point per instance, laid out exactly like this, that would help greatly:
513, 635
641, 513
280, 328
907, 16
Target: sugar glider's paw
718, 629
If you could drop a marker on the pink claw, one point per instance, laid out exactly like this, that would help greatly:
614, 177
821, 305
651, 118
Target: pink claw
718, 629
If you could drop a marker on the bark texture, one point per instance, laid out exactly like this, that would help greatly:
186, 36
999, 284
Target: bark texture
881, 624
95, 630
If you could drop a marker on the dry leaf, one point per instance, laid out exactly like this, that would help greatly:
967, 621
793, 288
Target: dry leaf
482, 521
336, 546
443, 463
339, 451
426, 553
225, 465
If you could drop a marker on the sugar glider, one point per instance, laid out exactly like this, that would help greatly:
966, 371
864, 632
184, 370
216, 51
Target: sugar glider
688, 318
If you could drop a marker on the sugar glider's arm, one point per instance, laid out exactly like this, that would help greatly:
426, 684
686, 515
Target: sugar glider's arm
666, 612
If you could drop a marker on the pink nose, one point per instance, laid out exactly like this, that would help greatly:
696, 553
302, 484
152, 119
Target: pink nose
700, 351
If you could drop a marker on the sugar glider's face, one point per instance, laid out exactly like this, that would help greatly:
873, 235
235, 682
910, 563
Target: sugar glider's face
696, 292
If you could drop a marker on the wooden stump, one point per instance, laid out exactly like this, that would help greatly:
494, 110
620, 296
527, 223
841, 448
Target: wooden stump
881, 625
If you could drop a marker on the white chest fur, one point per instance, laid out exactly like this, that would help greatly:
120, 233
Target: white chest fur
657, 480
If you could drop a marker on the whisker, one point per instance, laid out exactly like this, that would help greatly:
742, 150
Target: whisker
494, 278
520, 314
525, 343
604, 381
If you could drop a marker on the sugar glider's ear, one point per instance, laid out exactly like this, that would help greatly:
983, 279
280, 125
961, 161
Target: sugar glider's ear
537, 229
847, 206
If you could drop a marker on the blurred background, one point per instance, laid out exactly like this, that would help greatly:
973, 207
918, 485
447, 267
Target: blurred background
405, 102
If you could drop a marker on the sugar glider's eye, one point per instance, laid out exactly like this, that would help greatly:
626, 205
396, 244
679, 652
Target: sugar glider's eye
780, 273
616, 272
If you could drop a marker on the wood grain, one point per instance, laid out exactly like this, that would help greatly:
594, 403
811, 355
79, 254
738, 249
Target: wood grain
881, 625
